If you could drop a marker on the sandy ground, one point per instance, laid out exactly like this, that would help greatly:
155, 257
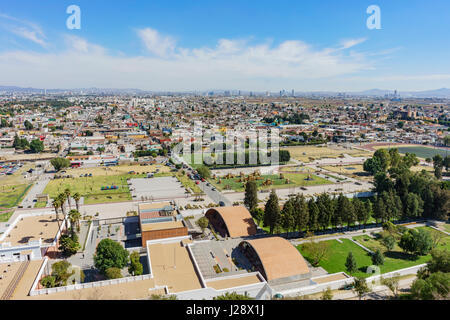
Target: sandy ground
172, 266
231, 283
33, 228
308, 153
117, 170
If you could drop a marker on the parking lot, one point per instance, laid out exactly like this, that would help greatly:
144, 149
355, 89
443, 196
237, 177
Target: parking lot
156, 188
222, 253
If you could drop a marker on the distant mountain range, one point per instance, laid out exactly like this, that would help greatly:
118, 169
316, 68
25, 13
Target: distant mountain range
438, 93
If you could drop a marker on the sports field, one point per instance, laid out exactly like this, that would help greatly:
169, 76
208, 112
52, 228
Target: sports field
288, 180
422, 152
311, 153
90, 188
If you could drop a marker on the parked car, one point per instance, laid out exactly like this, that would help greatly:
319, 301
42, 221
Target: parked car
221, 203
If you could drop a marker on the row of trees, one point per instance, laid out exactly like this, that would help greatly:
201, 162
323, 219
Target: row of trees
301, 215
35, 146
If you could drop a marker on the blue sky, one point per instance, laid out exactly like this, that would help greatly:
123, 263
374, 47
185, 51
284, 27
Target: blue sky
235, 44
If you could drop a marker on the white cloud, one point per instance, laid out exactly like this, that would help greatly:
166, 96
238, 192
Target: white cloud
230, 64
156, 43
346, 44
24, 29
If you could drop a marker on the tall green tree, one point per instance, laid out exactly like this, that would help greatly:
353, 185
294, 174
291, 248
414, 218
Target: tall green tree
287, 216
350, 263
313, 211
301, 213
438, 163
251, 195
272, 212
110, 254
36, 146
339, 211
377, 258
360, 287
60, 163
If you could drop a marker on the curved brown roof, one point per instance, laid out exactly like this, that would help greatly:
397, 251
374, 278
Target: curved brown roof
279, 257
238, 220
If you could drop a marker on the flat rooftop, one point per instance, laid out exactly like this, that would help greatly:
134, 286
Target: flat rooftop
162, 225
172, 266
122, 291
25, 284
154, 205
330, 278
33, 228
7, 272
233, 282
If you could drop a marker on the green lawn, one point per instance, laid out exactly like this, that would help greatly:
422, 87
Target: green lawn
90, 188
40, 204
373, 244
295, 180
394, 260
104, 198
397, 259
447, 227
4, 217
10, 196
335, 262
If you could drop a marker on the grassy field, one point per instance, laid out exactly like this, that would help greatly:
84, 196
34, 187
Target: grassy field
297, 169
4, 216
447, 227
311, 153
40, 204
394, 260
17, 178
90, 188
420, 151
295, 180
10, 196
335, 261
397, 259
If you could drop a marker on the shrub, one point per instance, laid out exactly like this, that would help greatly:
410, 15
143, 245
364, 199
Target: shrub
217, 268
113, 273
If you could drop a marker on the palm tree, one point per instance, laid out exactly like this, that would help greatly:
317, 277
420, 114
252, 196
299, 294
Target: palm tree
56, 203
62, 198
77, 198
74, 217
67, 193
